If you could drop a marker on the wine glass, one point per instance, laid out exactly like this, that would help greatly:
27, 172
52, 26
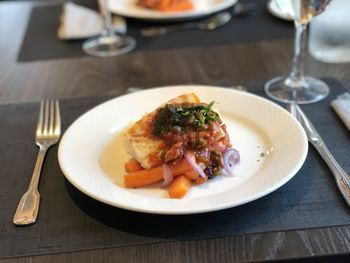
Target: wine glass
108, 43
296, 87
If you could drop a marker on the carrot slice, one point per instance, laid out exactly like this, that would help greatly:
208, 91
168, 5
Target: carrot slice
132, 166
179, 187
164, 4
180, 6
201, 180
146, 177
191, 175
167, 5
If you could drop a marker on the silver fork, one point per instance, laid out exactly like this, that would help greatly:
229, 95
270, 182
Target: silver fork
48, 132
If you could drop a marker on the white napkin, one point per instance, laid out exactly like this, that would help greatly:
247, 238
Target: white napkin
341, 105
81, 22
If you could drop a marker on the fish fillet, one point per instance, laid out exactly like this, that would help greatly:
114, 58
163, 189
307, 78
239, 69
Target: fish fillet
140, 143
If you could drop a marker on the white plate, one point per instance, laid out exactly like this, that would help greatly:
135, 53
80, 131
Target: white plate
129, 8
91, 154
275, 11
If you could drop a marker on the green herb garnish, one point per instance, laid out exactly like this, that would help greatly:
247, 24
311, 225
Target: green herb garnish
177, 118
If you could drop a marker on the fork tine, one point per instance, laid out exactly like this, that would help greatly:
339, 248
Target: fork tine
46, 118
51, 103
57, 119
39, 127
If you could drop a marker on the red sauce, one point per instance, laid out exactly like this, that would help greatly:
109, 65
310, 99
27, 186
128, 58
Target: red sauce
207, 142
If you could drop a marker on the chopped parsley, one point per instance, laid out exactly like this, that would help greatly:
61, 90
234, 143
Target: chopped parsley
177, 118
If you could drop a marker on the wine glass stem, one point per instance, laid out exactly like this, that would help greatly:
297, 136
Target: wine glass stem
106, 17
296, 76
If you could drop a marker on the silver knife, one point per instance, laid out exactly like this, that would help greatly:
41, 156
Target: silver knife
341, 177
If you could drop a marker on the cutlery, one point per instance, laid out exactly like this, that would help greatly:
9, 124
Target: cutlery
341, 177
240, 9
209, 23
47, 134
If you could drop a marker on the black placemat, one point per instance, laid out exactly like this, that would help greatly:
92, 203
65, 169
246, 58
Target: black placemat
41, 42
70, 221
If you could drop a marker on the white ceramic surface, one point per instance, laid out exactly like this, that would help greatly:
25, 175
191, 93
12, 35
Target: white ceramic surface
275, 11
129, 8
272, 144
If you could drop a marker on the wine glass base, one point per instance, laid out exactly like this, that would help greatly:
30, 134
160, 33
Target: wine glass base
308, 91
110, 45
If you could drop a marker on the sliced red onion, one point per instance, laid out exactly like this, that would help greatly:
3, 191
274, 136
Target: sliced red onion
224, 173
231, 158
220, 147
192, 161
167, 175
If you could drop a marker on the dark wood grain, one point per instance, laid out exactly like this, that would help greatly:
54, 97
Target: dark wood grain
304, 246
243, 63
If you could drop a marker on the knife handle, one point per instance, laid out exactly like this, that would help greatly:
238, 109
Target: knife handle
341, 177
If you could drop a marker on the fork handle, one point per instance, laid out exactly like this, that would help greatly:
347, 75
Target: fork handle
28, 207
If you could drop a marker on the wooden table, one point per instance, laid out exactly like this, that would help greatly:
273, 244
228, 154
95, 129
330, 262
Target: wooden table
242, 63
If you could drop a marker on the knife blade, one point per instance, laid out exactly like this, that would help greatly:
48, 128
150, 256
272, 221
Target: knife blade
341, 177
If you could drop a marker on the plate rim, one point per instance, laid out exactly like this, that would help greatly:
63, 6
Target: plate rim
194, 210
175, 16
276, 14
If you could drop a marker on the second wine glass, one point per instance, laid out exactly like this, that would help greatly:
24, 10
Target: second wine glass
108, 43
296, 87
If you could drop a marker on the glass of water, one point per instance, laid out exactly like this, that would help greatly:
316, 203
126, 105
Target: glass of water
296, 87
108, 43
329, 36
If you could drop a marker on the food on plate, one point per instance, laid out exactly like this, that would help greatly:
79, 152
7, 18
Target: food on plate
156, 174
132, 166
179, 187
166, 5
184, 141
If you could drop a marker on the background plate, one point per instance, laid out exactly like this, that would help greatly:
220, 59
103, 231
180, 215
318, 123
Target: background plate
275, 11
129, 8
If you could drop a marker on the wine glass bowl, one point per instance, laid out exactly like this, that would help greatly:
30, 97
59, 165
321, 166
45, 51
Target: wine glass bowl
296, 87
